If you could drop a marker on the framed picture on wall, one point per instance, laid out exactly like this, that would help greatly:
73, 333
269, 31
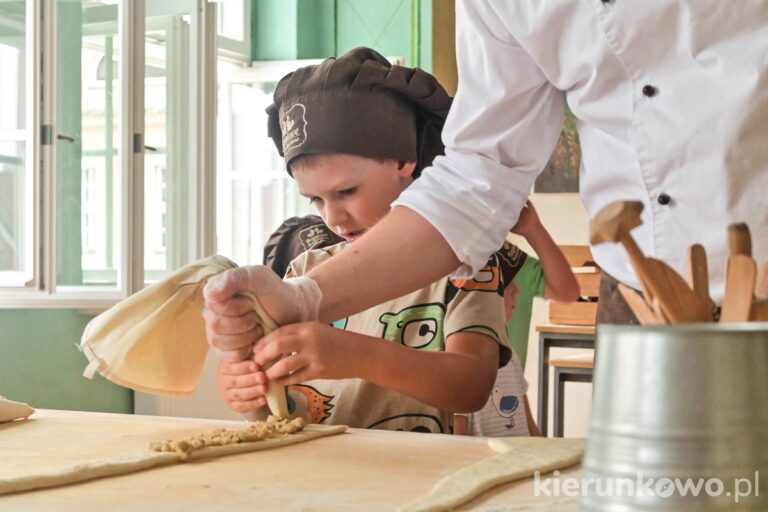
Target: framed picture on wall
561, 173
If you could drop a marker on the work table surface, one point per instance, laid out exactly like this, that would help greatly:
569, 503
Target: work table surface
367, 470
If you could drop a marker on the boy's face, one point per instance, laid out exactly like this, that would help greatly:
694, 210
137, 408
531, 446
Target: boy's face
351, 193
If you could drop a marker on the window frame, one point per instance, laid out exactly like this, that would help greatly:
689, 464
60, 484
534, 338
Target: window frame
38, 288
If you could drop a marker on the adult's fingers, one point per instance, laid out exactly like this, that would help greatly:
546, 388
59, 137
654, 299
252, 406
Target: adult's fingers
242, 324
232, 306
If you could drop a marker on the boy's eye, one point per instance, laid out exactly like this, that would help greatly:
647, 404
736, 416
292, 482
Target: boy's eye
347, 191
314, 200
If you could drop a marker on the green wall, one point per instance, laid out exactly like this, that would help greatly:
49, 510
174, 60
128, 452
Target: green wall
41, 364
311, 29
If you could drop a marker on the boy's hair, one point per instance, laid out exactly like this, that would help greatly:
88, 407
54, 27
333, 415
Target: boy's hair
362, 105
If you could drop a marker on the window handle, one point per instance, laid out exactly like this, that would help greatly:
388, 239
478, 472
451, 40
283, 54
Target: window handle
150, 148
65, 137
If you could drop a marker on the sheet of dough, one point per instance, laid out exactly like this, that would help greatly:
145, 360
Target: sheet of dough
131, 463
518, 458
10, 410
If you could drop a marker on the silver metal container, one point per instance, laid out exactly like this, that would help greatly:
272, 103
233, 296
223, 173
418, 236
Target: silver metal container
679, 419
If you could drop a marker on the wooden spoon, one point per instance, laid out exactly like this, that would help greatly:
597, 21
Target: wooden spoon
613, 224
642, 310
739, 286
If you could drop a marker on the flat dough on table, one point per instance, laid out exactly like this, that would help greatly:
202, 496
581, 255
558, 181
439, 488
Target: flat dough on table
139, 461
518, 458
10, 410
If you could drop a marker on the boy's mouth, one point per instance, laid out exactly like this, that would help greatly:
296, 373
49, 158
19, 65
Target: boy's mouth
351, 236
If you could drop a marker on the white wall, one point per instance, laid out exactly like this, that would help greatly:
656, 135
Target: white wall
566, 219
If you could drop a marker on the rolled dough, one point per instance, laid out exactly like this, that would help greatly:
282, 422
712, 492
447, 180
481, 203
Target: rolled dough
150, 459
518, 458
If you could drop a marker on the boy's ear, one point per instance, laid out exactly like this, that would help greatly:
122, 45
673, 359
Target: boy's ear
405, 169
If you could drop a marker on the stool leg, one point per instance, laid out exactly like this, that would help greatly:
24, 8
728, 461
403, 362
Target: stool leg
559, 403
541, 413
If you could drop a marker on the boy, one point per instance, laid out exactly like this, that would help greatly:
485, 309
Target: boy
352, 376
355, 131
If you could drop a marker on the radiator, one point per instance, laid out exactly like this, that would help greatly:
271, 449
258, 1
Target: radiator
204, 403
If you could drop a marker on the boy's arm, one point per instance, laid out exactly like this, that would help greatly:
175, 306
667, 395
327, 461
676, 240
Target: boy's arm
561, 284
458, 380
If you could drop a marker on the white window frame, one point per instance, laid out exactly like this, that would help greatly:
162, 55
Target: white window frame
38, 288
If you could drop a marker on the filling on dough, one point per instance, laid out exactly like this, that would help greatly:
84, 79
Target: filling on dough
256, 431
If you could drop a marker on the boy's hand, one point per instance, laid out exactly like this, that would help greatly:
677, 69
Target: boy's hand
231, 324
242, 386
529, 223
312, 351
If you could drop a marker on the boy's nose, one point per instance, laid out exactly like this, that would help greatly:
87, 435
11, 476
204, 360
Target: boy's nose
334, 215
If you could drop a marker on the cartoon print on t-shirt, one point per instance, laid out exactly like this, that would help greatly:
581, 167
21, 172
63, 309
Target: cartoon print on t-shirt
505, 405
302, 397
418, 326
424, 423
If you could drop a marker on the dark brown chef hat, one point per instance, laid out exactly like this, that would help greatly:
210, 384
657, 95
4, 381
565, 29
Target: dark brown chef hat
295, 236
359, 104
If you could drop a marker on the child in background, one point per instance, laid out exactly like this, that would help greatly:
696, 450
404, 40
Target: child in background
550, 277
355, 131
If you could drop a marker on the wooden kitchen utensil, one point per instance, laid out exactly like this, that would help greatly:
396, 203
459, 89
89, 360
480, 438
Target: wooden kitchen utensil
678, 302
642, 310
759, 311
698, 276
739, 239
613, 224
761, 283
739, 288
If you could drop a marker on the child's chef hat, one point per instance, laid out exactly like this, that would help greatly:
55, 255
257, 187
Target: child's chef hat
359, 104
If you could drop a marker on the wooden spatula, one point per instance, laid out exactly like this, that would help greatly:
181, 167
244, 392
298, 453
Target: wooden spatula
642, 310
739, 239
739, 288
678, 302
761, 283
698, 275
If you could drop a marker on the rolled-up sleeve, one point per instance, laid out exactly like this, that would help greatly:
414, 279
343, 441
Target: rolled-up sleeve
502, 127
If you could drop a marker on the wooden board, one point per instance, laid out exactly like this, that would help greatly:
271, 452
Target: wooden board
359, 470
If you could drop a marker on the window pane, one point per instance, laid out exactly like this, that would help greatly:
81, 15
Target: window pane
170, 180
254, 192
12, 203
15, 182
87, 150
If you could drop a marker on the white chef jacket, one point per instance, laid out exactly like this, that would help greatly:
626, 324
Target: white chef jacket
671, 101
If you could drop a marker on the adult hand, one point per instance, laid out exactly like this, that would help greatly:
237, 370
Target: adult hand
242, 386
312, 350
231, 324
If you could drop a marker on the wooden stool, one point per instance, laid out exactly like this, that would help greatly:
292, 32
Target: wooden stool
575, 368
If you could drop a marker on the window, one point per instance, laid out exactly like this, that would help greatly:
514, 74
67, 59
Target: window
105, 175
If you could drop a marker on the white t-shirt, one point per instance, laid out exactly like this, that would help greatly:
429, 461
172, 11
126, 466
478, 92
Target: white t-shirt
504, 413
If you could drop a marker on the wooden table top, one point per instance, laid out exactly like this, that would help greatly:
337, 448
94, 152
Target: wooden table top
359, 470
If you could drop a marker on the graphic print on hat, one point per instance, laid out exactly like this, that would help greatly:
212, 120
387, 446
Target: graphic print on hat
293, 124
